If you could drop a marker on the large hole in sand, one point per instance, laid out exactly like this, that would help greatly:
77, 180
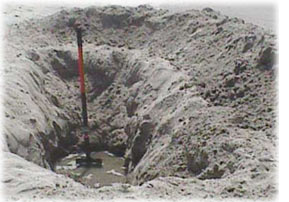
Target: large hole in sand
107, 140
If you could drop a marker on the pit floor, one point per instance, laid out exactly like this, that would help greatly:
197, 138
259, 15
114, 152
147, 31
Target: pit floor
112, 170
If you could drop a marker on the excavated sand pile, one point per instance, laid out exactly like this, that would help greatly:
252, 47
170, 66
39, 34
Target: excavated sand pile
189, 100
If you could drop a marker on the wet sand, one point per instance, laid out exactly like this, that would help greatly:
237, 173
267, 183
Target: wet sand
112, 170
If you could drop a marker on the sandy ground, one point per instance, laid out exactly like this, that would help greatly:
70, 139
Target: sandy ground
262, 15
160, 187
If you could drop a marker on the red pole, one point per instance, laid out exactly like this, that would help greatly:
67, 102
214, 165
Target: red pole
82, 92
81, 77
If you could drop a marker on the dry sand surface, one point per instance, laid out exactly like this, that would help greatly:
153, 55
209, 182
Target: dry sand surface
264, 15
187, 98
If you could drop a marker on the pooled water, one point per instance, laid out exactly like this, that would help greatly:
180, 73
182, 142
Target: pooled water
112, 170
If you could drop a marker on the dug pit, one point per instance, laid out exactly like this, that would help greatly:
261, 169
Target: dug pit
179, 95
110, 107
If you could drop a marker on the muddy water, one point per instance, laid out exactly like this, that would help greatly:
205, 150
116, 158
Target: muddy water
112, 170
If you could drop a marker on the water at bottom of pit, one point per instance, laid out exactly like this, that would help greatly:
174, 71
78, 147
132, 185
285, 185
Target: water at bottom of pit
112, 170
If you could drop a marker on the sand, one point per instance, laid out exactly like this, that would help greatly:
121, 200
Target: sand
188, 99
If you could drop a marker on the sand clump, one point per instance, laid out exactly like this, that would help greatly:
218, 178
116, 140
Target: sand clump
188, 99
